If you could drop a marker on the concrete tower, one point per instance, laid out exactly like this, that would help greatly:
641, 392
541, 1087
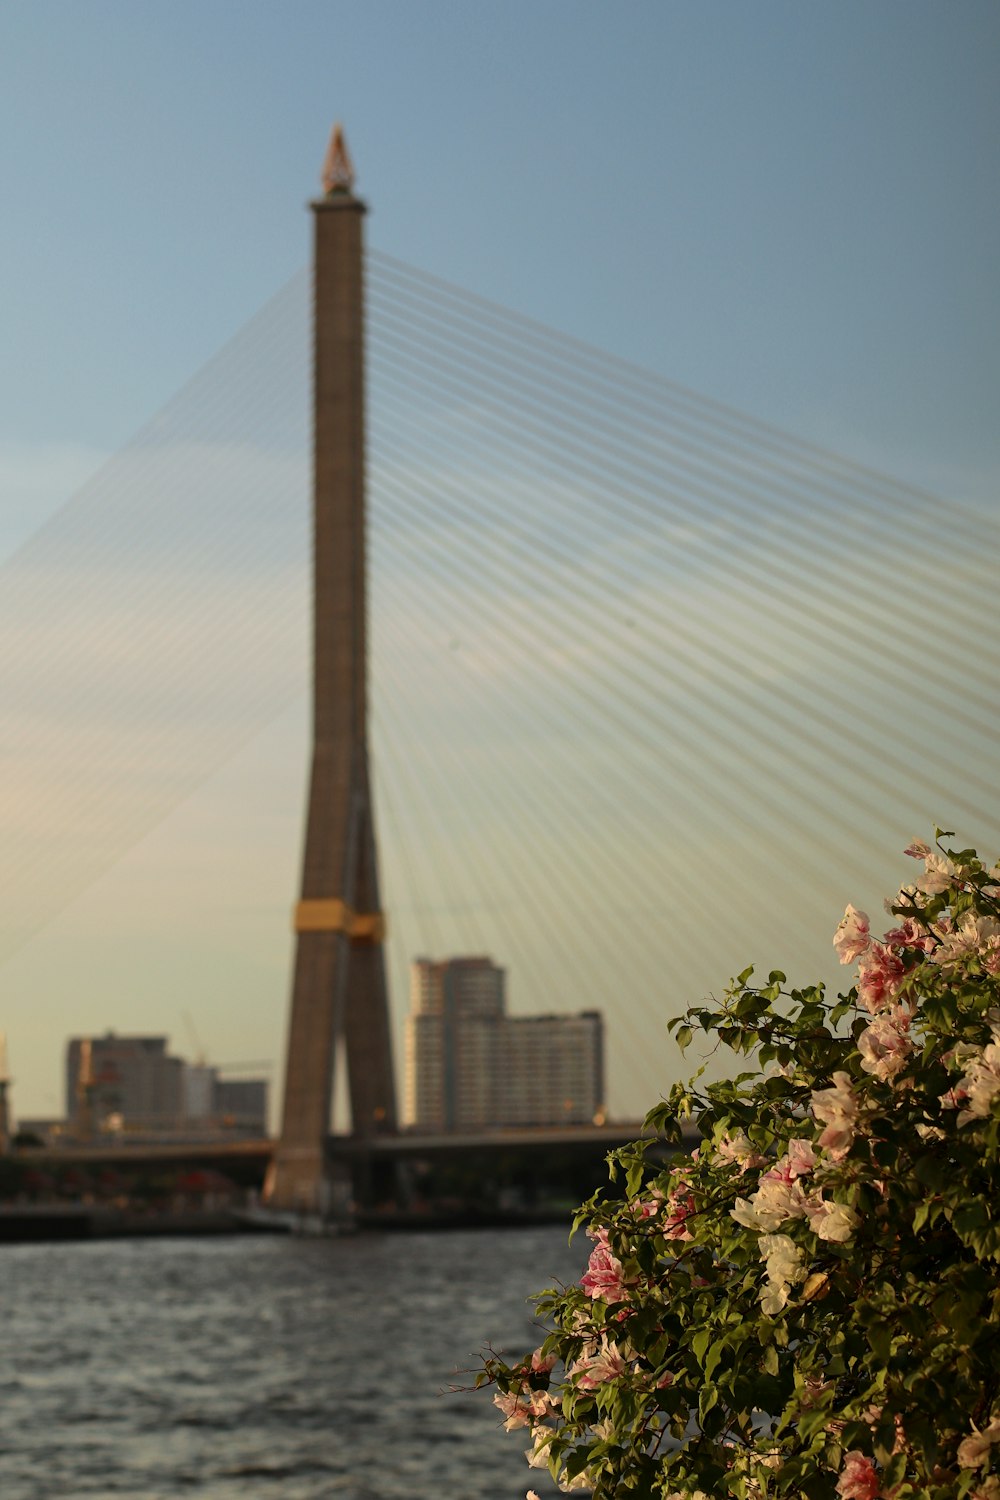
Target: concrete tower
339, 989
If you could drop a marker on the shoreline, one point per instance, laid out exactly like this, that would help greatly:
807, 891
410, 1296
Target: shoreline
22, 1224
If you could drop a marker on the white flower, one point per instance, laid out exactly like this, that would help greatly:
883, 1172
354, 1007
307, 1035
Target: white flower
582, 1481
538, 1454
784, 1267
974, 1451
981, 1083
907, 900
833, 1221
744, 1213
783, 1257
774, 1298
779, 1200
939, 874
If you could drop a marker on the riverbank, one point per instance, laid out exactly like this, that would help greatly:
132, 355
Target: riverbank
32, 1223
46, 1222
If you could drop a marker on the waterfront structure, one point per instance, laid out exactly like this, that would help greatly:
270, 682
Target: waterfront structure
471, 1066
339, 993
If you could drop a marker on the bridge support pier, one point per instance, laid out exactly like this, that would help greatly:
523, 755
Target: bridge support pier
339, 994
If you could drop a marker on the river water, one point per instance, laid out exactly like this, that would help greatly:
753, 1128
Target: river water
270, 1367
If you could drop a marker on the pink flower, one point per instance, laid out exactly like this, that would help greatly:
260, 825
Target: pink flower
853, 936
603, 1276
858, 1479
607, 1363
918, 849
880, 975
541, 1363
523, 1408
885, 1045
909, 935
679, 1207
837, 1109
975, 936
738, 1149
779, 1195
801, 1157
648, 1208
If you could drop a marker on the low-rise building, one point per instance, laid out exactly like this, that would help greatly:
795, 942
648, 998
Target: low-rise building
131, 1079
132, 1085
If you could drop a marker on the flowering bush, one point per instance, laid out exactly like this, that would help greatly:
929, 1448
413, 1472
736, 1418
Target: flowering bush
808, 1304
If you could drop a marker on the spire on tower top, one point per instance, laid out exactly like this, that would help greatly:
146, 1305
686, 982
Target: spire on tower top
338, 169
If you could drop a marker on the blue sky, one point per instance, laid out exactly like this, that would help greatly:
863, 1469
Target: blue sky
791, 208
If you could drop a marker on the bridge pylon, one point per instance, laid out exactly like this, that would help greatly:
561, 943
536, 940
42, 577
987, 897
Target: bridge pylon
339, 991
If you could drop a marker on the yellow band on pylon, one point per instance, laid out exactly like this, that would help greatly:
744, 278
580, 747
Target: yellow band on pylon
333, 915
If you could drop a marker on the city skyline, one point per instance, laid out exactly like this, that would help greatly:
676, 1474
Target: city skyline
801, 227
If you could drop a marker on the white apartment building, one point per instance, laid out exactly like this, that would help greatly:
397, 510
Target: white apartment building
470, 1066
552, 1069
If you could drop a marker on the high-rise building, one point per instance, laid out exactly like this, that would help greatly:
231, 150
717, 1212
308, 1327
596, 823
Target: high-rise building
456, 1010
470, 1066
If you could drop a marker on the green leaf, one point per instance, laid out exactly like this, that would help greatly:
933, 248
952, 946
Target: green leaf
880, 1338
708, 1399
700, 1343
683, 1037
713, 1357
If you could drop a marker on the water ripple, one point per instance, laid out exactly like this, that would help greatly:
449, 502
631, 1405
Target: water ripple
229, 1369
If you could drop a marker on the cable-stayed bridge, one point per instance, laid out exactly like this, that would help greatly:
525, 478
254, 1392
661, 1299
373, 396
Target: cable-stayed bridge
655, 688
